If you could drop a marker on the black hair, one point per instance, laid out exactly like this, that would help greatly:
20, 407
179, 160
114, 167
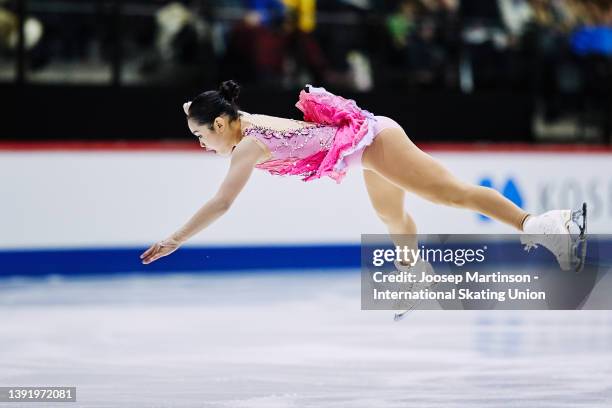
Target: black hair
210, 104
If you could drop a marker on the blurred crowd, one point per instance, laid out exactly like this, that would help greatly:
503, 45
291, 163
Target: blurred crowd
492, 43
555, 45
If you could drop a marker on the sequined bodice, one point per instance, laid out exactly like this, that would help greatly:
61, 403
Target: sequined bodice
301, 141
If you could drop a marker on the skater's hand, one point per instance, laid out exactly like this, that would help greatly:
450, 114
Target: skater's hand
159, 249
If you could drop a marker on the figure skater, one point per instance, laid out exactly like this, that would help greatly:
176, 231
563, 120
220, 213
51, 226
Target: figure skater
337, 135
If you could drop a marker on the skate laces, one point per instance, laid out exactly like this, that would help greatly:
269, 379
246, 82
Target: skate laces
546, 236
559, 231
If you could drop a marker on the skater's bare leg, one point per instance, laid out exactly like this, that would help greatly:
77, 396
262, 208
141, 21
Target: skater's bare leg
395, 157
388, 203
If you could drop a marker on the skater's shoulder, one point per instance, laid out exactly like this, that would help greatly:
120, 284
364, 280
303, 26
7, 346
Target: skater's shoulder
254, 122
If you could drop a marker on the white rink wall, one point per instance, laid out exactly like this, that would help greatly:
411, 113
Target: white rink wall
109, 198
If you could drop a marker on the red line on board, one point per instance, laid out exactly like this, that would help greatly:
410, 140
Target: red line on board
189, 146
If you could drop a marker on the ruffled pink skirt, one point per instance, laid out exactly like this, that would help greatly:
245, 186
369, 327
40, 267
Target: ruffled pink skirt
357, 128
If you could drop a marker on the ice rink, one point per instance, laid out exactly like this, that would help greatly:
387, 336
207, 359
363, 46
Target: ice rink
291, 339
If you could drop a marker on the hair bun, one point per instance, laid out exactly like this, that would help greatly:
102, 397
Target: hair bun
230, 90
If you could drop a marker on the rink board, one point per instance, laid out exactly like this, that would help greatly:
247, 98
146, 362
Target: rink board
100, 205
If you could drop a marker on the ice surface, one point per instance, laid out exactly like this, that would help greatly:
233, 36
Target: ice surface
294, 339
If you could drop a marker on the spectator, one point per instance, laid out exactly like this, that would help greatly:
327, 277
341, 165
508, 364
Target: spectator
416, 46
265, 12
9, 30
305, 13
516, 15
274, 53
183, 43
595, 36
402, 23
445, 15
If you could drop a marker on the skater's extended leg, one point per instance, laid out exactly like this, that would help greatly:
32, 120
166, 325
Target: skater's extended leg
388, 202
395, 157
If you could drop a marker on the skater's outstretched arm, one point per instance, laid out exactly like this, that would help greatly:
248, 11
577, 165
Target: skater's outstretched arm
244, 157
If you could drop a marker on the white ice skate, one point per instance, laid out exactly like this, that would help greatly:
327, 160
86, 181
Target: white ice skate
420, 266
562, 232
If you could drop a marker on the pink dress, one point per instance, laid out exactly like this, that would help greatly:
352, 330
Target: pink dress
333, 142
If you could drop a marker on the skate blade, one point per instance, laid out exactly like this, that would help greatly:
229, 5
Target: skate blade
399, 316
579, 243
579, 219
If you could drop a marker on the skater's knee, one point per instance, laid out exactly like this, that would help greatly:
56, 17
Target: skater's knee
390, 216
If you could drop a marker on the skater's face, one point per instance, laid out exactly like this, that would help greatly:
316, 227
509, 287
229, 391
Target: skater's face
218, 139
